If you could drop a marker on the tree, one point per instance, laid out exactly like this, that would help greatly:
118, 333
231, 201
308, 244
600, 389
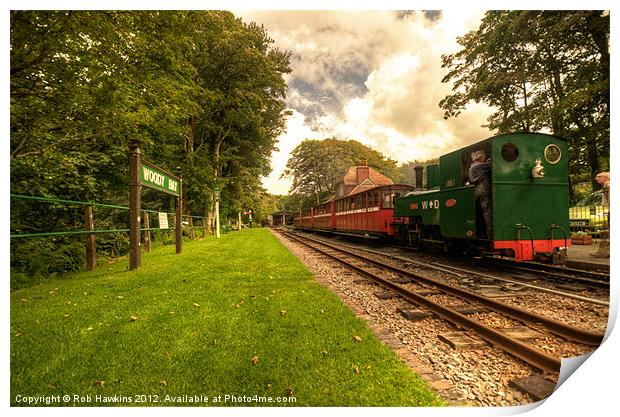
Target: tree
540, 70
317, 165
233, 129
201, 90
407, 171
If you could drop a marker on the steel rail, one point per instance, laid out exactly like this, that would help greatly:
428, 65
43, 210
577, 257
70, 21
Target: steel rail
536, 287
529, 354
593, 282
554, 326
546, 268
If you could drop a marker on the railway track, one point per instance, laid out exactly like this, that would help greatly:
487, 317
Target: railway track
589, 279
465, 270
377, 271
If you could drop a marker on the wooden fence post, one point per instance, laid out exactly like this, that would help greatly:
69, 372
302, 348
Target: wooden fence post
134, 205
192, 234
147, 233
91, 248
178, 231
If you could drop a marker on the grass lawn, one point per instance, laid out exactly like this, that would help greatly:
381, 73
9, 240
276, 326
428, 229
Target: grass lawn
238, 316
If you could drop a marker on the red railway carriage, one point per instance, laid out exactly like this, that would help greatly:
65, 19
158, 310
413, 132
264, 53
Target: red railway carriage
366, 212
370, 211
304, 219
324, 216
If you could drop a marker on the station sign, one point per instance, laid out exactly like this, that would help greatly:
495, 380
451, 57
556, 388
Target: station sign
154, 177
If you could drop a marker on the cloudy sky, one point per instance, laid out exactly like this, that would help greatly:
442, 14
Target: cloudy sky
373, 76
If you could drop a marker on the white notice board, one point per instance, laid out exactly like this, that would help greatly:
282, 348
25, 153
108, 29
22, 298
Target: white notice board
163, 220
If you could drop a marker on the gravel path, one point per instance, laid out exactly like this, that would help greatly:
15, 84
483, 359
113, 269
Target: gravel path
477, 377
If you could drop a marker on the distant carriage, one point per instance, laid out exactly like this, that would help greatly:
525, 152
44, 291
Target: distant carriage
368, 212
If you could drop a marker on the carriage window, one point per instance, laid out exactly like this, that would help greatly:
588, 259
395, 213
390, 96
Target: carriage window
510, 152
553, 154
387, 200
376, 199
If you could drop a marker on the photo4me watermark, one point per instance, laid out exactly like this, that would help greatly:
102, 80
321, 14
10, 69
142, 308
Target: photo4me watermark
100, 399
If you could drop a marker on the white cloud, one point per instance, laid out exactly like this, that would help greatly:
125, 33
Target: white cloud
296, 131
374, 77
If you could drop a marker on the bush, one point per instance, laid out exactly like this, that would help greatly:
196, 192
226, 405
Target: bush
37, 258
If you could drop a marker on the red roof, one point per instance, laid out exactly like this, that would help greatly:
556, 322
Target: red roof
350, 178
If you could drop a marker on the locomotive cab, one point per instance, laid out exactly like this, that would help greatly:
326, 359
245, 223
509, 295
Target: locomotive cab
507, 194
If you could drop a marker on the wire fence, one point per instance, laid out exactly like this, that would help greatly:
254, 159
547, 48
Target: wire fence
92, 204
39, 244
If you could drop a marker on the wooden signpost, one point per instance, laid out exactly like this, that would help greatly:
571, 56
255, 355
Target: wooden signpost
143, 173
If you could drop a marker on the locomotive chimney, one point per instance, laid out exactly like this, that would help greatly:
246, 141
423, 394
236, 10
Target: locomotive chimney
419, 172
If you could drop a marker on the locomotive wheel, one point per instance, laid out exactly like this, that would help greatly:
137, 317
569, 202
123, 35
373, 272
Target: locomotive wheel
414, 236
558, 256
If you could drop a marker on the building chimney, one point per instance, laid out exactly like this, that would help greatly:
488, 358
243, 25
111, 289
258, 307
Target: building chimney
362, 174
419, 172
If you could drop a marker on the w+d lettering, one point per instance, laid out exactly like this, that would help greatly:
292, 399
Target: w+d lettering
430, 204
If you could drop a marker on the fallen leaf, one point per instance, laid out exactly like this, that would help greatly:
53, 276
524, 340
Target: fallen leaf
23, 300
357, 338
268, 385
89, 329
163, 382
197, 305
255, 360
282, 312
324, 352
50, 386
120, 297
18, 334
133, 318
66, 316
99, 383
356, 369
322, 311
368, 367
290, 391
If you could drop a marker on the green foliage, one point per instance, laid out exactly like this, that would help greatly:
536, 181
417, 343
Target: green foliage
38, 258
315, 166
201, 90
540, 70
407, 172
